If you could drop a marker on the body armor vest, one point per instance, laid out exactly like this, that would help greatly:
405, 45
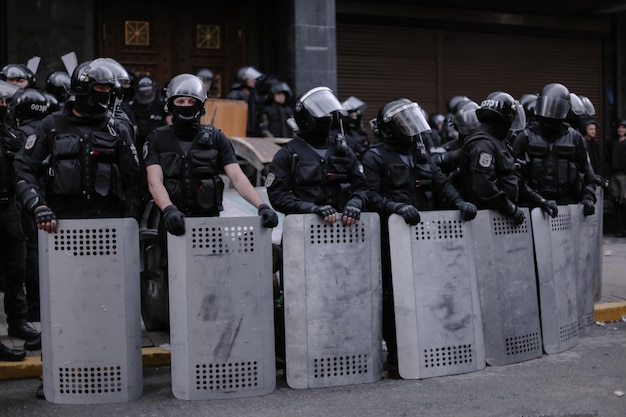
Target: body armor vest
191, 176
552, 167
317, 179
84, 161
408, 183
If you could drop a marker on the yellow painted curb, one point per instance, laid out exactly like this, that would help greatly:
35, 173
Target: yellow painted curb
30, 367
610, 311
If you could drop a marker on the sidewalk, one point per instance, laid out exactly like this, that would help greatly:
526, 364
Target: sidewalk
612, 307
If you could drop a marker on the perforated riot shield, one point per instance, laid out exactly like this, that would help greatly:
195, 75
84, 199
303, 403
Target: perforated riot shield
437, 308
587, 235
556, 274
507, 286
90, 314
333, 301
221, 309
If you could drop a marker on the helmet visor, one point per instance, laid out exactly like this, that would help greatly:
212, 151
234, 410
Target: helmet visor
251, 74
552, 107
465, 119
519, 117
408, 119
7, 89
354, 104
578, 108
321, 102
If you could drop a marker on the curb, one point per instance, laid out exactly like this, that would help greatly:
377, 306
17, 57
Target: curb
156, 356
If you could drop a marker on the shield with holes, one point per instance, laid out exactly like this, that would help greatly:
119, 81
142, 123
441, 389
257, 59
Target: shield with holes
587, 239
221, 309
556, 275
333, 301
90, 312
437, 309
507, 287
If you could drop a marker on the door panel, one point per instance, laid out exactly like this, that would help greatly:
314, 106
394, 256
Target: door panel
164, 39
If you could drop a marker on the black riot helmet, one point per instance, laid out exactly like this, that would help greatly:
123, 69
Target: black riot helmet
244, 74
205, 74
590, 110
529, 104
501, 110
58, 84
28, 104
553, 102
398, 122
187, 85
53, 105
354, 105
88, 102
453, 101
281, 87
145, 89
465, 119
313, 112
18, 72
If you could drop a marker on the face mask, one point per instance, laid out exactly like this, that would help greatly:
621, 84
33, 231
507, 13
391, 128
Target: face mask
185, 112
94, 104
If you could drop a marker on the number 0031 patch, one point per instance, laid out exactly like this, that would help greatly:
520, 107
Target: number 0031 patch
485, 159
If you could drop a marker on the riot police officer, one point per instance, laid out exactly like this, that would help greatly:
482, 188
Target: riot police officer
354, 132
183, 166
184, 161
314, 172
12, 246
85, 160
555, 153
27, 109
244, 88
18, 74
276, 112
403, 179
489, 170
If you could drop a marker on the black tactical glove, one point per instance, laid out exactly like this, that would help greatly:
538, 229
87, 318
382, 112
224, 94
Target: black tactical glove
468, 210
269, 216
588, 207
549, 206
516, 214
174, 220
44, 215
324, 210
409, 213
352, 212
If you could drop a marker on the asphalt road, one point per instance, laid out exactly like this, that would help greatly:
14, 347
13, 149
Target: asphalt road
579, 382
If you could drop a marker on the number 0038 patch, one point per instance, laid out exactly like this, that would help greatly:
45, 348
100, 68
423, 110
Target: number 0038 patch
485, 159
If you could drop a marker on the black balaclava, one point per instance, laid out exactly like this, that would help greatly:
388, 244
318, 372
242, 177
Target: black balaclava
185, 121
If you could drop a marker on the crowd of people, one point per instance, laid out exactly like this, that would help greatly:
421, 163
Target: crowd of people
102, 142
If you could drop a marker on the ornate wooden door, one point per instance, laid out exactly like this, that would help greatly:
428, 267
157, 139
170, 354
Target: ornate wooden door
164, 39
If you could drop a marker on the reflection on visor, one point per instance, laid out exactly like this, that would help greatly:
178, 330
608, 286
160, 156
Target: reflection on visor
7, 89
553, 108
321, 102
408, 118
519, 122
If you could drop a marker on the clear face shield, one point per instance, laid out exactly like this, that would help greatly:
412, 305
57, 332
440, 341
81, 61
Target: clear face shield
552, 107
354, 104
577, 106
408, 119
519, 117
465, 119
321, 102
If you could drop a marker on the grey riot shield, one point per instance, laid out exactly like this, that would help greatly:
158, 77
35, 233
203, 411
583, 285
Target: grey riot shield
507, 286
437, 308
221, 309
333, 301
587, 235
90, 311
556, 275
597, 287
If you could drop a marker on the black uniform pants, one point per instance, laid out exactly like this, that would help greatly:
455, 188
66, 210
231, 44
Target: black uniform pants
13, 260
